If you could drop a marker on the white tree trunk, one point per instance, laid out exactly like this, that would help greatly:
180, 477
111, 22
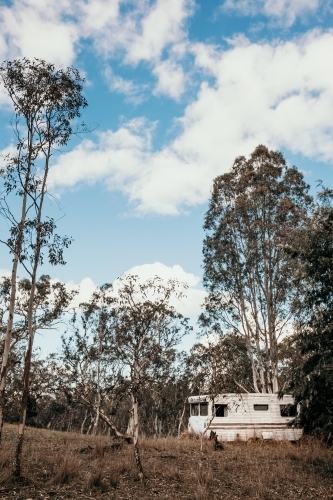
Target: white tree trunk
135, 407
8, 337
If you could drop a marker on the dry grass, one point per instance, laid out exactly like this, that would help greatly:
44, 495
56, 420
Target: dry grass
62, 466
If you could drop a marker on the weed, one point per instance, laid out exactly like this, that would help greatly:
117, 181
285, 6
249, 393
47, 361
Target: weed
204, 475
94, 479
114, 479
98, 451
67, 471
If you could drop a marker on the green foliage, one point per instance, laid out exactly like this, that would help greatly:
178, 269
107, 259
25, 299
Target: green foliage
220, 366
313, 378
255, 210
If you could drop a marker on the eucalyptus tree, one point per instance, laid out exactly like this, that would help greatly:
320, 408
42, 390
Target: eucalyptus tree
50, 301
220, 365
312, 373
49, 403
164, 395
146, 327
46, 102
255, 211
19, 329
90, 360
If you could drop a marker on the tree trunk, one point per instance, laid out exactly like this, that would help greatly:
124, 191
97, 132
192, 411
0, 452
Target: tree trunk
84, 421
96, 420
6, 348
135, 409
275, 382
156, 425
23, 411
181, 419
130, 425
28, 356
17, 253
262, 380
98, 403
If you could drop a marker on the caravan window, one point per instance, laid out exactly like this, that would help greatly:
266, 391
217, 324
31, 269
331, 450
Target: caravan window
194, 410
288, 410
203, 409
260, 407
221, 410
199, 409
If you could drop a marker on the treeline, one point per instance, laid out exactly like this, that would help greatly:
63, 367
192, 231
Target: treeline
265, 324
122, 340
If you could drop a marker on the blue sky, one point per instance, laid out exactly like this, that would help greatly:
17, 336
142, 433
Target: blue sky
176, 90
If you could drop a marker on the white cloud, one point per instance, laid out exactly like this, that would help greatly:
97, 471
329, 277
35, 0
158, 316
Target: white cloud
188, 306
84, 290
133, 30
133, 92
34, 28
142, 34
155, 181
162, 26
5, 273
138, 29
278, 94
285, 10
171, 79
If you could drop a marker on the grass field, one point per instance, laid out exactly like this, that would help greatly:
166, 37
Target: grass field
61, 465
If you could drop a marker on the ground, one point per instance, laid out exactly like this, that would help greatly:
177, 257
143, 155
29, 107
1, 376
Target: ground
59, 465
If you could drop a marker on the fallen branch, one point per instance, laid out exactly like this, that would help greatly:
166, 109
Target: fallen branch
108, 422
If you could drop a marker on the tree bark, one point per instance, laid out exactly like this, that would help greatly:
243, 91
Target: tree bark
23, 412
181, 419
98, 402
84, 421
135, 408
130, 425
17, 253
28, 356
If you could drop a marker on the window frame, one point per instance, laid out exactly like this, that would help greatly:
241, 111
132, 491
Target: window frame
225, 410
198, 407
206, 405
261, 407
195, 405
290, 409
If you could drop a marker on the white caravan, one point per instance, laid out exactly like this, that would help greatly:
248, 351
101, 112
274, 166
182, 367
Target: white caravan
244, 416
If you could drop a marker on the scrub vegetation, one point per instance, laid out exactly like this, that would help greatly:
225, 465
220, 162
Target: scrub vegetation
65, 465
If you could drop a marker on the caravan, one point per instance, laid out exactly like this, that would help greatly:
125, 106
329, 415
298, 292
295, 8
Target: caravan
244, 416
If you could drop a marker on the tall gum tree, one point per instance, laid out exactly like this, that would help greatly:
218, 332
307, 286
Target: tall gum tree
46, 102
255, 210
146, 328
88, 355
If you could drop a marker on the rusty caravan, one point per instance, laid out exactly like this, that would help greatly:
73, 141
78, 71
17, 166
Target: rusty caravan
244, 416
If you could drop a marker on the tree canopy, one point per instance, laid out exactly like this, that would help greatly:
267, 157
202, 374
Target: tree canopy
312, 382
255, 210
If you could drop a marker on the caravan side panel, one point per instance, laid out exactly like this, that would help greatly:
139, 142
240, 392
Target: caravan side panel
246, 416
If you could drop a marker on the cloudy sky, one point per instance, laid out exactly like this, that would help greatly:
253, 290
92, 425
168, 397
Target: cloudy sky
176, 90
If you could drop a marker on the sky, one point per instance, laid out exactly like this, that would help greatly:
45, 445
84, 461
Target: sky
177, 89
